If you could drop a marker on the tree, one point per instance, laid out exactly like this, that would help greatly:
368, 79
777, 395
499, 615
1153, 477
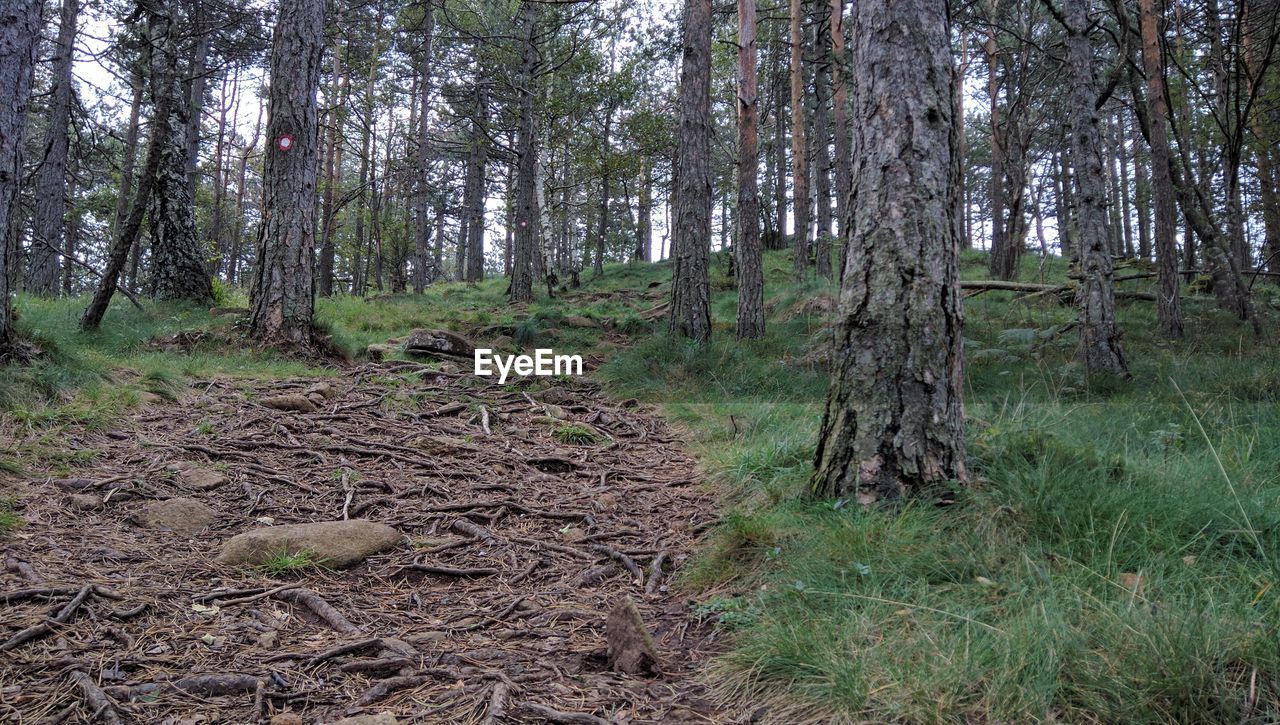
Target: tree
282, 297
19, 28
526, 211
799, 143
422, 270
51, 175
691, 241
893, 424
1099, 335
178, 265
749, 269
1169, 305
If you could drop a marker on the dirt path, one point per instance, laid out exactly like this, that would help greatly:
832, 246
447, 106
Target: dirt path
516, 544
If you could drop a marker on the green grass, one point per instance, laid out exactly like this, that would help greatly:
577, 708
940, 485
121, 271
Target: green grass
574, 434
9, 519
290, 562
1114, 559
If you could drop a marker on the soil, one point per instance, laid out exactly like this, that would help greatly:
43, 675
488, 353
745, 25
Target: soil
528, 512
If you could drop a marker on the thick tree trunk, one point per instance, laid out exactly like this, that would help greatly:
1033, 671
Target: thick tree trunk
178, 268
691, 243
283, 293
749, 267
1169, 309
893, 425
422, 271
527, 160
51, 177
19, 30
1099, 337
799, 143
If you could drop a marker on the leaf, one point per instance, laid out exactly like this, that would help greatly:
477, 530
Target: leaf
209, 610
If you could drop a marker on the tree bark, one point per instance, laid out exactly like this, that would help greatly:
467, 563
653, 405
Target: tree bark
691, 242
1099, 337
178, 259
893, 424
799, 143
527, 159
749, 267
282, 297
474, 203
644, 212
422, 270
840, 101
19, 30
51, 177
1169, 309
332, 163
822, 139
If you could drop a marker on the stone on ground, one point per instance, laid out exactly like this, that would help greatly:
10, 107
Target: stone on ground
631, 649
84, 501
382, 718
580, 322
290, 402
184, 516
334, 544
438, 343
193, 476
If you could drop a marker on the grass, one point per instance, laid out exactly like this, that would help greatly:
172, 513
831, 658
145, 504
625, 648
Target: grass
9, 519
289, 562
574, 434
1114, 559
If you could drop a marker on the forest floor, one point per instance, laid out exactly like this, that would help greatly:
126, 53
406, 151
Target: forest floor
528, 512
1115, 557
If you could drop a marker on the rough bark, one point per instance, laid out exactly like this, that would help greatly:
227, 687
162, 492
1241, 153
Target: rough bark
840, 102
691, 242
749, 268
178, 259
1142, 194
893, 424
1099, 337
644, 213
474, 203
51, 176
799, 143
422, 269
282, 298
527, 160
19, 29
778, 240
1002, 261
605, 187
822, 140
1169, 309
332, 163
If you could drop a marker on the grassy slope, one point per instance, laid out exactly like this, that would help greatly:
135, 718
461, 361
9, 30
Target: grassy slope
1111, 563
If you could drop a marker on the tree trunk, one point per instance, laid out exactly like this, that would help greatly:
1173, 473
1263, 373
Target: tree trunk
177, 264
749, 267
779, 239
19, 30
283, 293
51, 176
605, 168
1099, 338
1002, 261
691, 242
422, 273
527, 160
476, 187
893, 424
1142, 194
238, 234
332, 162
644, 212
840, 101
822, 140
128, 162
226, 104
1169, 309
196, 78
799, 143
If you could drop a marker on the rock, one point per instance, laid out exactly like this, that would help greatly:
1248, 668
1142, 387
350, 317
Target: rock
84, 501
503, 342
334, 544
324, 390
631, 649
438, 343
580, 322
72, 485
287, 718
228, 311
193, 476
184, 516
382, 718
291, 402
379, 352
